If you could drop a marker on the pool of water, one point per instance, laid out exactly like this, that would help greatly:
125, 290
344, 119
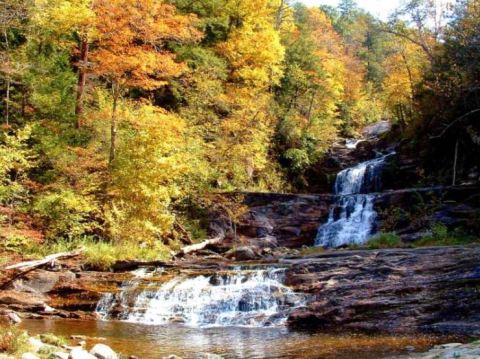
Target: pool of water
155, 342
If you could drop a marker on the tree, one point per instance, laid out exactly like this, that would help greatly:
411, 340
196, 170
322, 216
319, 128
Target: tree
421, 22
12, 15
70, 24
131, 47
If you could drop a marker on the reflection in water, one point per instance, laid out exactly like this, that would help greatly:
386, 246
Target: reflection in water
154, 342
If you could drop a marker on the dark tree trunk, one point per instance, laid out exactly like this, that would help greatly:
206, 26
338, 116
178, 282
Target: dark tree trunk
82, 78
113, 124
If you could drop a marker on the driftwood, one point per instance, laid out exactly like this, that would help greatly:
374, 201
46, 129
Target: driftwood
202, 245
29, 265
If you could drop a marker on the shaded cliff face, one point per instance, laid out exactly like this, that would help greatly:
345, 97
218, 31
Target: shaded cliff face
281, 220
429, 289
287, 220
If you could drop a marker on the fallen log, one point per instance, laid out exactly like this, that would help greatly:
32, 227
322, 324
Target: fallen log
202, 245
50, 259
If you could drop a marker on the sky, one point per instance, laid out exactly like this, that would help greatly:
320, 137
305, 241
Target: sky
380, 8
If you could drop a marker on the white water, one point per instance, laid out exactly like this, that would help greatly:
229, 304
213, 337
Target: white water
254, 298
352, 143
352, 217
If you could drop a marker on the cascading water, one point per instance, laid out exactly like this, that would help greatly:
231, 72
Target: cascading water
354, 222
251, 298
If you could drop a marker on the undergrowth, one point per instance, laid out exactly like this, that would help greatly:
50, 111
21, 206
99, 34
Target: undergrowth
97, 254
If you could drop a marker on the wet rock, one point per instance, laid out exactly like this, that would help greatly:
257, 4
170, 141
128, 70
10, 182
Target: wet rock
102, 351
79, 353
377, 129
449, 351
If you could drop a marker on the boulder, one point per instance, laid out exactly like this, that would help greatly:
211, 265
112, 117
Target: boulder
35, 344
102, 351
242, 254
22, 300
9, 317
79, 353
60, 355
29, 356
41, 281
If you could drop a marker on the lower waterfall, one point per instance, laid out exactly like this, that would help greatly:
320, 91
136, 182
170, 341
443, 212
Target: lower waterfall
250, 298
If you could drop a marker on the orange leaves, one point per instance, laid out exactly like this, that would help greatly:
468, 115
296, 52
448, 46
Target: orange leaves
131, 47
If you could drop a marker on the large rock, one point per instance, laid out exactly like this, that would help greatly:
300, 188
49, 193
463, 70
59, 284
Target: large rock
29, 356
102, 351
283, 220
397, 290
42, 281
79, 353
22, 300
8, 317
242, 254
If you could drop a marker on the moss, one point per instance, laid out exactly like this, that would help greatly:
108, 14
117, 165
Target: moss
53, 340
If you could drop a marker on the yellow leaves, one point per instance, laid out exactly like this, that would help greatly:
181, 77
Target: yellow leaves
64, 17
253, 49
157, 162
404, 70
131, 41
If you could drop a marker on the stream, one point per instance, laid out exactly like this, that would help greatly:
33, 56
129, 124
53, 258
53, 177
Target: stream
154, 342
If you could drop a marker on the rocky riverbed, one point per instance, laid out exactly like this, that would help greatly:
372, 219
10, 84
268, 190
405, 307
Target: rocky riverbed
432, 290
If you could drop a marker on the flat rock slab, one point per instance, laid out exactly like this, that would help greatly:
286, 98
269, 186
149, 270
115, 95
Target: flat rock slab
396, 290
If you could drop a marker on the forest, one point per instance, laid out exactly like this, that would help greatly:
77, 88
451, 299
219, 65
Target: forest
122, 121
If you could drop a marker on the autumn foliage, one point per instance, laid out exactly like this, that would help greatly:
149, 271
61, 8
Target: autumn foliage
121, 116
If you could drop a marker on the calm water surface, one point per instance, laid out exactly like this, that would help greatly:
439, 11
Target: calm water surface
155, 342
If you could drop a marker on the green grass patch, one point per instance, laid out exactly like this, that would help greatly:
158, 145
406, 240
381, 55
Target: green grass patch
385, 240
441, 236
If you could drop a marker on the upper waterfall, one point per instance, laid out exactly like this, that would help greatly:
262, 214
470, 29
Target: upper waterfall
251, 298
354, 222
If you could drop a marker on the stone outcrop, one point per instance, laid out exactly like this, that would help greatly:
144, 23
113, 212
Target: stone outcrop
397, 290
281, 220
289, 220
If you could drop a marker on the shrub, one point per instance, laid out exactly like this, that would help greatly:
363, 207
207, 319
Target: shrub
65, 214
13, 340
385, 240
441, 236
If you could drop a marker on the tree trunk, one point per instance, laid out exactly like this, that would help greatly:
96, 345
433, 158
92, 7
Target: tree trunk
455, 162
113, 124
7, 102
82, 78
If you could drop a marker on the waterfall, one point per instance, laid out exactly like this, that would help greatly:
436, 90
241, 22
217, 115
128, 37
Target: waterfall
352, 217
250, 298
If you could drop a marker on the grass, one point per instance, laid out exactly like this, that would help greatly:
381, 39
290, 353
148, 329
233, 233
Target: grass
100, 255
385, 240
439, 236
53, 340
